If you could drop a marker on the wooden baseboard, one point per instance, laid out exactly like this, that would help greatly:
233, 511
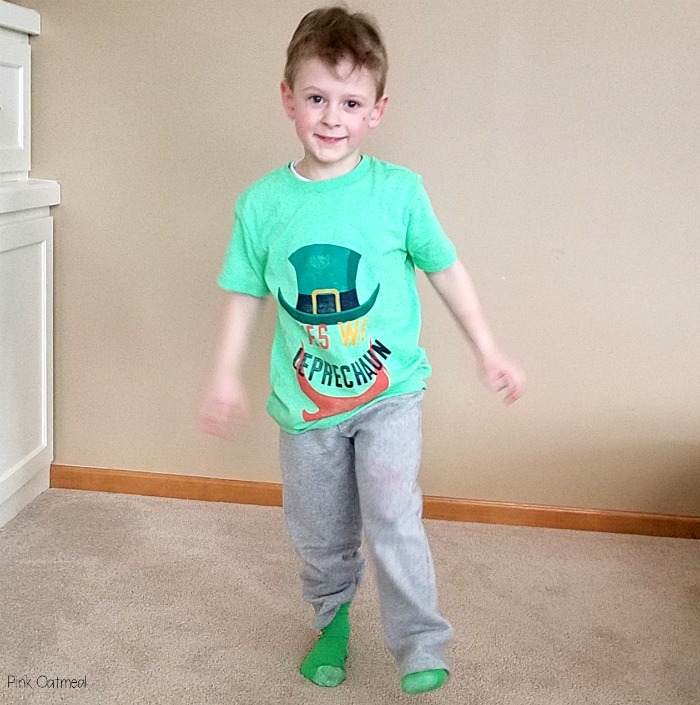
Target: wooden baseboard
270, 494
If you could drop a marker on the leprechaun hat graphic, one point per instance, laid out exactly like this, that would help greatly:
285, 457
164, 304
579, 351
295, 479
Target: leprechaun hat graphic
326, 282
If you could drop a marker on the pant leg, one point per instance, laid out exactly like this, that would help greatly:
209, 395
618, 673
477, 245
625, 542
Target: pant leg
322, 512
387, 457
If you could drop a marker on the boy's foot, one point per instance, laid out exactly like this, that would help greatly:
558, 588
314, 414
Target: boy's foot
325, 663
423, 681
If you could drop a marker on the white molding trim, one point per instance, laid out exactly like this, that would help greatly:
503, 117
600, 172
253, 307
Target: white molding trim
28, 194
20, 19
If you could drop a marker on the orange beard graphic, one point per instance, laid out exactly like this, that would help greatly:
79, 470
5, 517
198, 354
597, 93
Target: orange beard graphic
330, 406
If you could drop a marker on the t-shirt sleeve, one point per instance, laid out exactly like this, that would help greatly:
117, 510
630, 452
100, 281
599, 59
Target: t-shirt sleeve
244, 264
426, 242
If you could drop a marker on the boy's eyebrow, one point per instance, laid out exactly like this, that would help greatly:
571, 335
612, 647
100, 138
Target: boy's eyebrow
319, 90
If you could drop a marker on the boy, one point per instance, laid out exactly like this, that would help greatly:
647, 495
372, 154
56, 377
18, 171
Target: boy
334, 238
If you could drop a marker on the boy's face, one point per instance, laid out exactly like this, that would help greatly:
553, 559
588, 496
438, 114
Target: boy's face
332, 114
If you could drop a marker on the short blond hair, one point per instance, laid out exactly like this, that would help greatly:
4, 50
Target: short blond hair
333, 34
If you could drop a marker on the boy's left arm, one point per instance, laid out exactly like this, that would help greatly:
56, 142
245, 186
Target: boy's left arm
457, 290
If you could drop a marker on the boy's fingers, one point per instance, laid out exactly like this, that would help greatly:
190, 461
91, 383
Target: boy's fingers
214, 418
515, 390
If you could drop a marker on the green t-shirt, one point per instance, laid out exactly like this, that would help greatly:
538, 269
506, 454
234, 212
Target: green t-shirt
338, 256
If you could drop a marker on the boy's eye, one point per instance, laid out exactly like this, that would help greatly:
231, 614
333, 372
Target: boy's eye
353, 104
316, 99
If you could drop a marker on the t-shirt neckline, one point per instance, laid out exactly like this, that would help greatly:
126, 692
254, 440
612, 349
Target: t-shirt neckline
329, 184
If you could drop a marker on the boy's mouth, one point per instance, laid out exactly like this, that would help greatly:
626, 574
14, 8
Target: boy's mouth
330, 140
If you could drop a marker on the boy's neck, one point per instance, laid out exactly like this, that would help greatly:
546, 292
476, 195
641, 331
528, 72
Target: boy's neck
321, 172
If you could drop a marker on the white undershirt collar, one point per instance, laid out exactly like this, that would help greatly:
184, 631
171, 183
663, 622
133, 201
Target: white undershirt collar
296, 173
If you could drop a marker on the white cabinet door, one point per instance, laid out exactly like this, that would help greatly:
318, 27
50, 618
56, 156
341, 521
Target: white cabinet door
26, 357
14, 102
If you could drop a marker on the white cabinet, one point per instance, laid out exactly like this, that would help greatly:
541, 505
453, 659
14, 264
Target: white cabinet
26, 281
26, 428
16, 24
14, 103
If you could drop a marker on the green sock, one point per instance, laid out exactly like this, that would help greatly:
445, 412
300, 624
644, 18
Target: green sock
423, 681
325, 663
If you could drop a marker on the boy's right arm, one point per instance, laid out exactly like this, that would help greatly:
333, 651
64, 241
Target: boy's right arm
225, 400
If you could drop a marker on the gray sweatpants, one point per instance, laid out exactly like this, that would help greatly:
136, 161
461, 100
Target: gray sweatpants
364, 472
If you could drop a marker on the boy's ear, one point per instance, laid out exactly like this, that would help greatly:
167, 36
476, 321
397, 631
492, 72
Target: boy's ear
287, 100
378, 111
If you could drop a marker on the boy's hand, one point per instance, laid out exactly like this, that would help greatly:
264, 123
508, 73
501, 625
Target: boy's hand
224, 404
500, 374
497, 372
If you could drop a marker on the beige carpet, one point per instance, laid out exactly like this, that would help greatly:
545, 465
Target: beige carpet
169, 601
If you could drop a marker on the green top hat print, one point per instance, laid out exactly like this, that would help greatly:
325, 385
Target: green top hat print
326, 280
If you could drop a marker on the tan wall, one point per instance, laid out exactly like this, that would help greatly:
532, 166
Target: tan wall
559, 142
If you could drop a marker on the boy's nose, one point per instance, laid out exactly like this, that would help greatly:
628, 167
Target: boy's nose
330, 117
